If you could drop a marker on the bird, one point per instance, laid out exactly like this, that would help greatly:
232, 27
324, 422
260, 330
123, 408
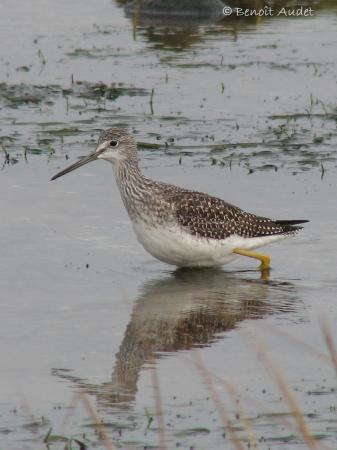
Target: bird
179, 226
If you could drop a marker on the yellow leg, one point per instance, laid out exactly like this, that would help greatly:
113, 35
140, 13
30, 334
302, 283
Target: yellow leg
265, 260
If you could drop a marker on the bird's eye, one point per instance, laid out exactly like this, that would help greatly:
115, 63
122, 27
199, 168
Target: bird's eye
114, 143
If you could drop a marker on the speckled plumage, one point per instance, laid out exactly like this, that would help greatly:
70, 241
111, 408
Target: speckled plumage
177, 225
198, 213
211, 217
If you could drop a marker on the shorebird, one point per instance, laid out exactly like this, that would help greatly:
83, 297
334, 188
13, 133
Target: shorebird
179, 226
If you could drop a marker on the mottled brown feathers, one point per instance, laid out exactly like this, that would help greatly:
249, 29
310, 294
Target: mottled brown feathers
211, 217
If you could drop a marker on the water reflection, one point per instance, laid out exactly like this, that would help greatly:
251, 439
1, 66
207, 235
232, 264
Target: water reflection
186, 309
178, 25
175, 11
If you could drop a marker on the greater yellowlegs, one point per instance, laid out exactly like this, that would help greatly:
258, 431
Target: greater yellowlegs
179, 226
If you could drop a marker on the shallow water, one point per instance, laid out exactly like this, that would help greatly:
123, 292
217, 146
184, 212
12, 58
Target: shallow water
241, 109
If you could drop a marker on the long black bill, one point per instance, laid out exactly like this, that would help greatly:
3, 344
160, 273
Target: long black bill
78, 164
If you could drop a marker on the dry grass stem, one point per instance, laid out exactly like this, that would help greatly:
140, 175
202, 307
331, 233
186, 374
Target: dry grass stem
97, 423
207, 377
299, 342
159, 408
28, 412
235, 396
289, 398
70, 411
227, 385
330, 343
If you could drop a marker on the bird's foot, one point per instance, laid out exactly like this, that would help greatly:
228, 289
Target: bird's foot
264, 274
265, 260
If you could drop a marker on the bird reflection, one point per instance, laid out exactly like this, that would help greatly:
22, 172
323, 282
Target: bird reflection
177, 25
171, 24
186, 309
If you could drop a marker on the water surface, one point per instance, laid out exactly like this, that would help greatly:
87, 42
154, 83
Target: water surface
244, 110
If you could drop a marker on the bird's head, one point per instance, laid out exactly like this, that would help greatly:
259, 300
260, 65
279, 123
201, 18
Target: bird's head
115, 145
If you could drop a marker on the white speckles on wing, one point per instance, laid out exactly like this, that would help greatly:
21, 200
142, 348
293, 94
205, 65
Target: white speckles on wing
211, 217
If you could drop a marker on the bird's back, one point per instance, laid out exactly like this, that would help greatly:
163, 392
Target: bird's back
206, 216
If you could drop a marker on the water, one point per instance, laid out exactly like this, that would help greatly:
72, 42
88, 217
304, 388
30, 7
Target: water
241, 109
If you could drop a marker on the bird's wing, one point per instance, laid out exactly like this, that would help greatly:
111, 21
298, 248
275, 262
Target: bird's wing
210, 217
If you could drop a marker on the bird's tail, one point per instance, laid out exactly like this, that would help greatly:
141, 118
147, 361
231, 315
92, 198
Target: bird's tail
290, 226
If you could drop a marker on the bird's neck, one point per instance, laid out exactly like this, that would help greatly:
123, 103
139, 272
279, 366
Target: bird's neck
133, 186
128, 173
